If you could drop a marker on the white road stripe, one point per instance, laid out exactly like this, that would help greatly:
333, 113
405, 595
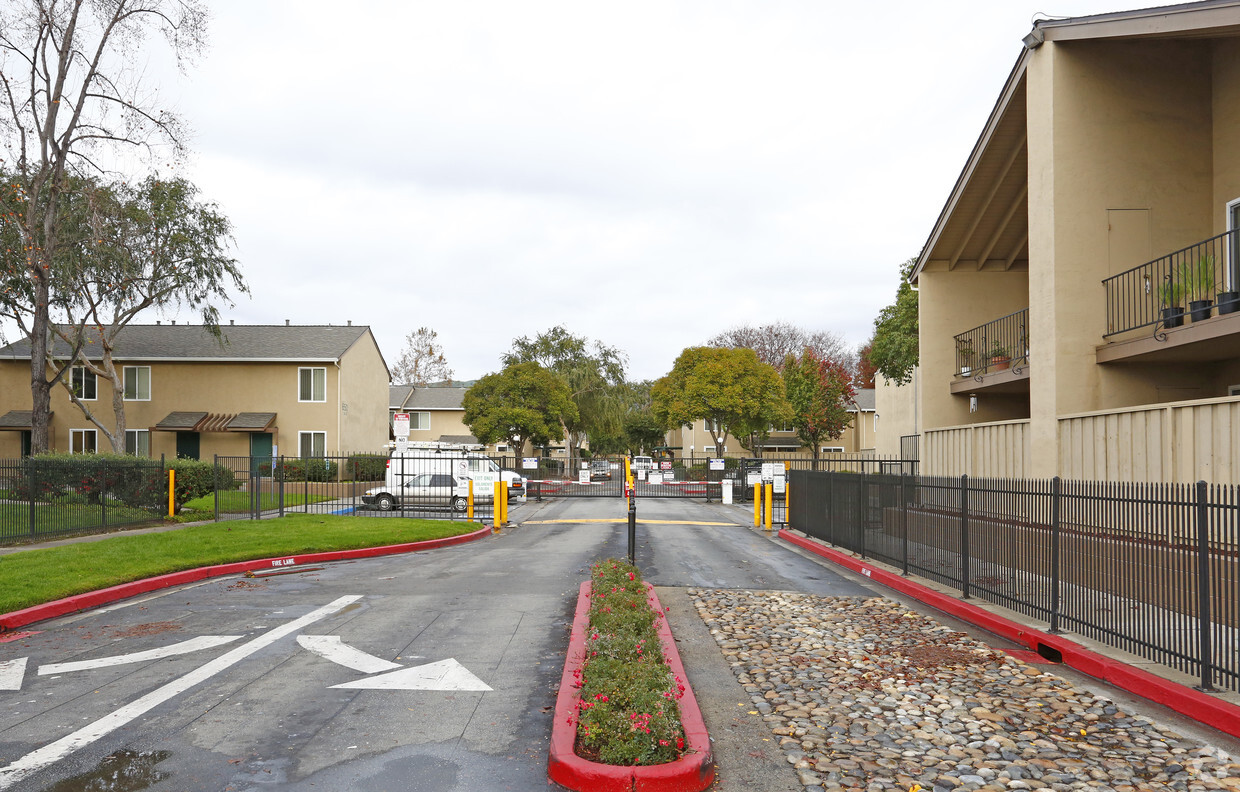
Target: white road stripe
12, 672
442, 675
330, 647
49, 754
184, 647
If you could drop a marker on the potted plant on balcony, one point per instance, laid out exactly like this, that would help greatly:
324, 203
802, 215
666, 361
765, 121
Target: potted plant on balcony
1227, 301
1198, 280
965, 355
1171, 293
1000, 358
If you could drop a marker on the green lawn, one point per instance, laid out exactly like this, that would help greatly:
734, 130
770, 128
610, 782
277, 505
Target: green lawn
31, 577
52, 519
235, 502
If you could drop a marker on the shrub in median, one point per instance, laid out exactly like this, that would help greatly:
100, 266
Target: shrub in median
628, 711
367, 467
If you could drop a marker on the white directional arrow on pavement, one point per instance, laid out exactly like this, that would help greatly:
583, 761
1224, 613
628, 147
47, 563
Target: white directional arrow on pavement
442, 675
330, 647
11, 674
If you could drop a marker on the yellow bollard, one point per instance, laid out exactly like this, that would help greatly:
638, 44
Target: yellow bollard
469, 508
172, 492
769, 503
497, 516
757, 505
503, 489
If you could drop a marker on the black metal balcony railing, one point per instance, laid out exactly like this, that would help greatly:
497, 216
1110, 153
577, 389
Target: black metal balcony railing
995, 346
1196, 280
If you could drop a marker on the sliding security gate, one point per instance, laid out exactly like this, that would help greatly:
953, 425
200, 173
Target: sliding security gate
604, 478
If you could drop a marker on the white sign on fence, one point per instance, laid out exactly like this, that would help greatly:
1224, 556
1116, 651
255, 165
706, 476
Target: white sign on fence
400, 425
529, 463
583, 476
716, 464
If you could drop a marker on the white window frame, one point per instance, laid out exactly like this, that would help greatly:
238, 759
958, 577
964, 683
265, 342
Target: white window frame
94, 379
301, 444
312, 369
1233, 207
501, 448
833, 449
143, 435
125, 383
419, 421
75, 444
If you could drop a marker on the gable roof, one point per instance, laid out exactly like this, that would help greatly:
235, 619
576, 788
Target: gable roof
436, 399
301, 343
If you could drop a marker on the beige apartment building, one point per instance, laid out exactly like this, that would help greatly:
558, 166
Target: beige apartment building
1078, 292
290, 390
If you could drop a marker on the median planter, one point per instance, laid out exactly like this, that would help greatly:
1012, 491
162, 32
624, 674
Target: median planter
617, 703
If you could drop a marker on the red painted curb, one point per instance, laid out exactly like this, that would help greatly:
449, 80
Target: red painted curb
91, 599
692, 772
1187, 701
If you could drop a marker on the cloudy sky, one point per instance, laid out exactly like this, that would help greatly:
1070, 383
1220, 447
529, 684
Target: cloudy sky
647, 174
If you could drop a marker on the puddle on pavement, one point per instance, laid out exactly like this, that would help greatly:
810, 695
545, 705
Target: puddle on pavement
123, 771
350, 607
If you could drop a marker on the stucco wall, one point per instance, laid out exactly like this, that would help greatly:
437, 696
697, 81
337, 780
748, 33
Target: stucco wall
363, 388
897, 410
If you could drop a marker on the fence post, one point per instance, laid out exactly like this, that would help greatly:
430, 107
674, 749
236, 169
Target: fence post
30, 483
1056, 489
1203, 586
964, 536
215, 478
103, 493
861, 509
278, 484
904, 521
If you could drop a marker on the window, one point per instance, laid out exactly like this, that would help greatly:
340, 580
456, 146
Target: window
312, 444
708, 423
137, 383
500, 448
787, 427
84, 384
833, 449
312, 384
138, 442
419, 420
1233, 390
83, 441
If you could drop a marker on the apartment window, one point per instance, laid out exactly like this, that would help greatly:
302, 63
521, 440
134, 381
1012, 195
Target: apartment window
85, 387
833, 449
709, 424
500, 448
312, 444
787, 427
137, 383
138, 442
419, 420
83, 441
312, 384
1233, 390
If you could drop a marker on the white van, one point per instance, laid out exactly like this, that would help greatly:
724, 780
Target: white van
641, 463
439, 476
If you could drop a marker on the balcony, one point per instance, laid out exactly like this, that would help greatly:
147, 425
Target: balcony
994, 356
1190, 300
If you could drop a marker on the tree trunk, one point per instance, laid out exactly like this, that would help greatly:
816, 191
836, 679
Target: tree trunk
40, 388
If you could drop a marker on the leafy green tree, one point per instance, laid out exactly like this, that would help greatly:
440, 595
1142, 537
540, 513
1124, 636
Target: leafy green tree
153, 245
894, 349
523, 403
730, 388
819, 392
594, 375
73, 99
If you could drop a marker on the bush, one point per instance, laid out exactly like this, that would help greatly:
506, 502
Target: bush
367, 467
628, 710
296, 469
64, 478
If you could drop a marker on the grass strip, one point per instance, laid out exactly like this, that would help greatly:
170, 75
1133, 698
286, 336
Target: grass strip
628, 711
237, 502
52, 519
32, 577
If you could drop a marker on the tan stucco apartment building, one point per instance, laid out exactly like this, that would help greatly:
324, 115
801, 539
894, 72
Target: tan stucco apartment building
1057, 331
294, 390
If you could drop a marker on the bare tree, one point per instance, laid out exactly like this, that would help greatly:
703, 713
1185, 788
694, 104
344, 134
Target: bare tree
422, 360
72, 101
775, 342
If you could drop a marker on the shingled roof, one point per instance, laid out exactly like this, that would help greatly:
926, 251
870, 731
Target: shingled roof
302, 343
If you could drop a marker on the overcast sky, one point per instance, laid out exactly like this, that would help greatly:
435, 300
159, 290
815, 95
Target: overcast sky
647, 174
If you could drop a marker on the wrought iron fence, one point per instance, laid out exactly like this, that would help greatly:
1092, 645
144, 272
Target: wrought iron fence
1153, 569
998, 345
41, 498
1192, 281
428, 487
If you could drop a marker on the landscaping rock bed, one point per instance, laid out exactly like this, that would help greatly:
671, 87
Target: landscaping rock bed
863, 694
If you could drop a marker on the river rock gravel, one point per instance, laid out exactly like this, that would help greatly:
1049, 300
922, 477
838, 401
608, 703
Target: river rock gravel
861, 693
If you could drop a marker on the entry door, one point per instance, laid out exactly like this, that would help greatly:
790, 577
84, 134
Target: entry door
260, 451
187, 445
25, 443
1233, 223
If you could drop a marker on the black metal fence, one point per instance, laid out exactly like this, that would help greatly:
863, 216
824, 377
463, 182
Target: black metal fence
1192, 281
42, 498
996, 346
431, 487
1152, 569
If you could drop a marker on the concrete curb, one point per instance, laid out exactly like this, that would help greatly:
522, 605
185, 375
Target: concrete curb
693, 772
92, 599
1187, 701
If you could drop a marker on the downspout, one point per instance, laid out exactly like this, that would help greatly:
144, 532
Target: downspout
339, 409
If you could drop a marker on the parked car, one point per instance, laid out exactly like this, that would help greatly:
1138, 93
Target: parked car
600, 470
406, 483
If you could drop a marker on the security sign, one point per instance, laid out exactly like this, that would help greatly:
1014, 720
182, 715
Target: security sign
400, 425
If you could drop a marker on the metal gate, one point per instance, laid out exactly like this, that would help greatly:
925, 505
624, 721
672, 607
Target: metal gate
604, 478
